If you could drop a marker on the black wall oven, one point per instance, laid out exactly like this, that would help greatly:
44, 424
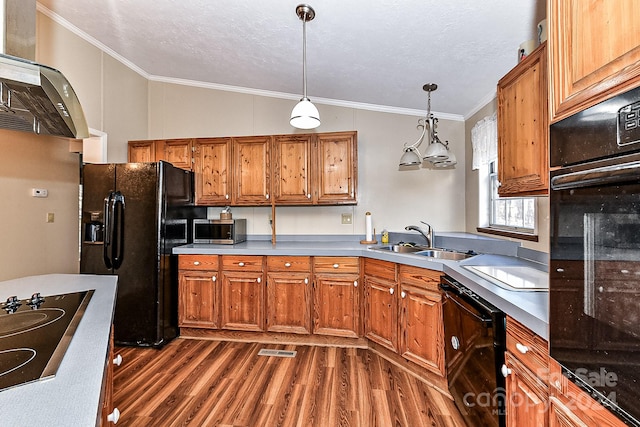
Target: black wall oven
594, 287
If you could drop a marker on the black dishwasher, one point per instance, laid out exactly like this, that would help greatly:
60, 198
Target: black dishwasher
475, 335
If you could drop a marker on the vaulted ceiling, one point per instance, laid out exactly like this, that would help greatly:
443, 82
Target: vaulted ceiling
373, 54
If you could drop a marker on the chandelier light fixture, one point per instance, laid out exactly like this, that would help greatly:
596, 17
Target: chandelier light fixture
437, 153
305, 115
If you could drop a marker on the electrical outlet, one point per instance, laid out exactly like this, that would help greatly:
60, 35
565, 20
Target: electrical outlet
347, 218
50, 216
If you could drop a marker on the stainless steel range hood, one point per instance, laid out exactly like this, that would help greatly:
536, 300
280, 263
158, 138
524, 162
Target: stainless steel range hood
33, 97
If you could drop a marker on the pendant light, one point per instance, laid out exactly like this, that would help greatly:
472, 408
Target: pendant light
305, 115
437, 153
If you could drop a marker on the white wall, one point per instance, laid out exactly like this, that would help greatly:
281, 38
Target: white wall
29, 245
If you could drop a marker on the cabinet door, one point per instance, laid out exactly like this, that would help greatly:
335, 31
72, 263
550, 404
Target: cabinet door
336, 305
292, 170
381, 312
242, 300
422, 328
523, 132
527, 396
594, 50
289, 302
179, 153
336, 177
251, 176
213, 171
197, 299
141, 152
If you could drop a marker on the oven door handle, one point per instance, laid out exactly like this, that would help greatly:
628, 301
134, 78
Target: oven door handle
604, 175
484, 320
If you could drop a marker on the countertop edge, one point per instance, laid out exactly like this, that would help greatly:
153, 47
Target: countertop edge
73, 396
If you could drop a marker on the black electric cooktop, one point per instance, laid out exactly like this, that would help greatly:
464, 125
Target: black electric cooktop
35, 334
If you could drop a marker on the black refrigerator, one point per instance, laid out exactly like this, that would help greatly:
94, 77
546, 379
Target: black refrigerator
133, 215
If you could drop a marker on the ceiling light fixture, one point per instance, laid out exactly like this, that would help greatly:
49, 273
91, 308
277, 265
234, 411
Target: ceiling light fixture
438, 152
305, 115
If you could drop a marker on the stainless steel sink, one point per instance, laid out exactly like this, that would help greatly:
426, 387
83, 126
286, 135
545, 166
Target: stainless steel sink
399, 248
424, 251
440, 254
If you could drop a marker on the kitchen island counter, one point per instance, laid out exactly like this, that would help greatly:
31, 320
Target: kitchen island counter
73, 396
528, 307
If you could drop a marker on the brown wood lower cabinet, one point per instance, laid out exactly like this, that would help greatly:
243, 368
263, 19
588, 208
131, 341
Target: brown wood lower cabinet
421, 325
242, 293
289, 294
569, 406
381, 302
198, 291
336, 301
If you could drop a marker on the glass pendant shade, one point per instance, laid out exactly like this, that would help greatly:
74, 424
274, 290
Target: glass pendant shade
305, 115
410, 157
450, 161
436, 152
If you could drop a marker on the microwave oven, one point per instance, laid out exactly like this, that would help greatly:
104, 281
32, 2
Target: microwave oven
219, 231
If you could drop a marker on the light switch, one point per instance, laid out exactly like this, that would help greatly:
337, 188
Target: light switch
50, 216
347, 218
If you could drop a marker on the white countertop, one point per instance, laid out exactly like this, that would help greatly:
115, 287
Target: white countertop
72, 397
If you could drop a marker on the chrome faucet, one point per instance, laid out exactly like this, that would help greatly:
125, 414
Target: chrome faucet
428, 234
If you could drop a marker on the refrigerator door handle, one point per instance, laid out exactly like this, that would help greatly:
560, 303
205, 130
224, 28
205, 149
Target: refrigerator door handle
117, 250
108, 230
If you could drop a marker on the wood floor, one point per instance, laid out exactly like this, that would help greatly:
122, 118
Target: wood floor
212, 383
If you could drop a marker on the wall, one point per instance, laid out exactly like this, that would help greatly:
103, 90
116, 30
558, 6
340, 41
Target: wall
395, 198
472, 185
29, 245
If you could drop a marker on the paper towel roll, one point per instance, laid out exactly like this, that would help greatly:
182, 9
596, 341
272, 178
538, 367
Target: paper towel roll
368, 227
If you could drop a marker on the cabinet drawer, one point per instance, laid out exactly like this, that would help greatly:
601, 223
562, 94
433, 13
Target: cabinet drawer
242, 262
420, 277
326, 264
381, 269
198, 262
288, 263
529, 348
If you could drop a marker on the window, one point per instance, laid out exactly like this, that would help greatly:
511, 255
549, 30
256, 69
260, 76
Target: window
516, 214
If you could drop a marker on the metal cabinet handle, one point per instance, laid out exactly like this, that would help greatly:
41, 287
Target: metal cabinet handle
117, 360
214, 278
267, 196
560, 270
259, 280
287, 264
355, 283
114, 416
308, 196
403, 294
522, 348
226, 196
601, 289
306, 281
241, 264
196, 262
336, 265
391, 291
505, 371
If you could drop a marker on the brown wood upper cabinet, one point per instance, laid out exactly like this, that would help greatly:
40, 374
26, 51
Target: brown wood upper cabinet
300, 169
315, 169
523, 128
251, 171
594, 49
212, 167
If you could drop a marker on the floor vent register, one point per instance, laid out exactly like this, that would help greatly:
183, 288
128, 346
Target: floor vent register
277, 353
